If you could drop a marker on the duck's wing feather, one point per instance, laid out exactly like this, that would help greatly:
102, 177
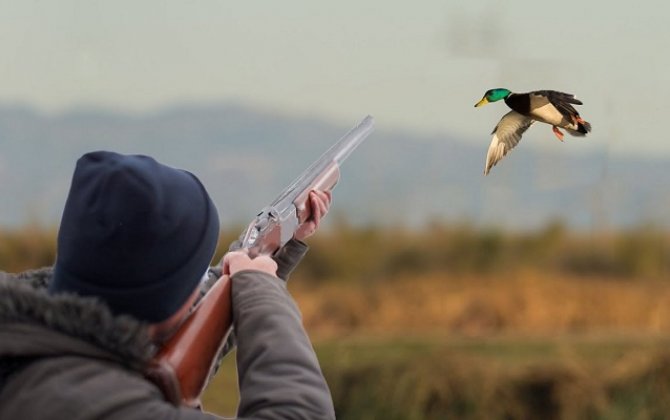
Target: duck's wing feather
561, 101
554, 95
506, 136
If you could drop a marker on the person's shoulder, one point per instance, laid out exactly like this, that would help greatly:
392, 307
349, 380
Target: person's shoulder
93, 389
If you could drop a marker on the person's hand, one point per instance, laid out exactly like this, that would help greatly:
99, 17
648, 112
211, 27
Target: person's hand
318, 205
235, 261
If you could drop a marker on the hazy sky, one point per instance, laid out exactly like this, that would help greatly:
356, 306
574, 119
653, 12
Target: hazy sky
418, 66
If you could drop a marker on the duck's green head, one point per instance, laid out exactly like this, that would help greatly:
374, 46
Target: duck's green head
493, 95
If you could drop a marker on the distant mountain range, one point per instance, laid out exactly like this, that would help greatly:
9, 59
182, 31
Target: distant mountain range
245, 157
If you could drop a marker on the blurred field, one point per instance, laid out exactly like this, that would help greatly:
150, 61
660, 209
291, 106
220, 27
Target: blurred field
458, 322
512, 377
469, 305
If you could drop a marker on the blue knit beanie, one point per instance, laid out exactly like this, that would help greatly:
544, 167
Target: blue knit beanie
137, 234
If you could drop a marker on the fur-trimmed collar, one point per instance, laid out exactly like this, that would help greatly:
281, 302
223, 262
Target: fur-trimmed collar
24, 300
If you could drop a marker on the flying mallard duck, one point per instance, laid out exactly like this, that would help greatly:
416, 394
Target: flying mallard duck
547, 106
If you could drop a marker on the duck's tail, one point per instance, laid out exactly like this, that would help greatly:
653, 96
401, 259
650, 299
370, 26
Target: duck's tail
583, 127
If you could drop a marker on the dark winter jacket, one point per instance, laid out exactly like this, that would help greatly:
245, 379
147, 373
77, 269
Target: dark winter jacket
68, 357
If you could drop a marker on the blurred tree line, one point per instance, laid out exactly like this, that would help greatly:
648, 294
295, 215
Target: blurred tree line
348, 253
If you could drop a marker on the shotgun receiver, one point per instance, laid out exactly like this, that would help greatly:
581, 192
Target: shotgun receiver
185, 363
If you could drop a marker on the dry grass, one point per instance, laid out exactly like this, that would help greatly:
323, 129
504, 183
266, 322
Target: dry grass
526, 302
31, 246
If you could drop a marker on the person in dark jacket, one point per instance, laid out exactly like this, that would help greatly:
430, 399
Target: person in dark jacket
134, 245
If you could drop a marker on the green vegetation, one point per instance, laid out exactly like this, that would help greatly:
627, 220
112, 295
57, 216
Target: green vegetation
576, 377
348, 253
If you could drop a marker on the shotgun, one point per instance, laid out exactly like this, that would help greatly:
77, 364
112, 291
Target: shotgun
185, 363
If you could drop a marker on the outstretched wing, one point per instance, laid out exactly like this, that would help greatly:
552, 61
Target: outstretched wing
506, 136
561, 101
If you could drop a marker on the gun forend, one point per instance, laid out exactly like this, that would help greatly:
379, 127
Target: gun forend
276, 223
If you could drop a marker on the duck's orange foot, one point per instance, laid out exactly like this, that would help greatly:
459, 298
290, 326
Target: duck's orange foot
579, 120
558, 133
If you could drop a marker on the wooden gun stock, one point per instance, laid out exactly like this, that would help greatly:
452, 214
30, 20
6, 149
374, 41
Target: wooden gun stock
182, 367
